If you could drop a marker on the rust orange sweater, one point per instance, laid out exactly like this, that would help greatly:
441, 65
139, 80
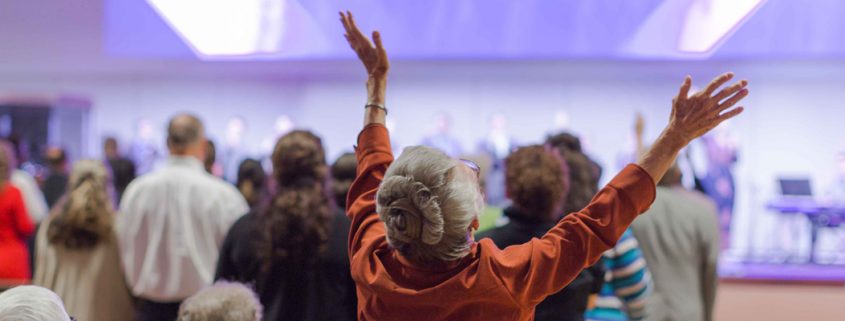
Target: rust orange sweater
489, 283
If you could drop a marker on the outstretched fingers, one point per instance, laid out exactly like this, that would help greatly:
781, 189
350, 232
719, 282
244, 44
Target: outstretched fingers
733, 100
729, 114
717, 82
683, 93
379, 46
730, 90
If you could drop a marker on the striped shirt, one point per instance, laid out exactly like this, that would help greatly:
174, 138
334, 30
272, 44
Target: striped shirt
627, 283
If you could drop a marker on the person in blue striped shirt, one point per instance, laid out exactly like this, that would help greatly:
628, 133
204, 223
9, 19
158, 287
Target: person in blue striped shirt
627, 280
627, 283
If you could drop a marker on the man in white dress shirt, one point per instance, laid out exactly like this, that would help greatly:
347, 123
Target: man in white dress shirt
172, 222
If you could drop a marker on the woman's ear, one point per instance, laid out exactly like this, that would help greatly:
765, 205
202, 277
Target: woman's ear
474, 225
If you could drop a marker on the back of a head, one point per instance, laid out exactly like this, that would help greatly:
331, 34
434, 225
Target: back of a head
85, 216
110, 147
343, 174
55, 157
583, 185
673, 176
183, 132
427, 205
251, 180
31, 303
296, 220
223, 301
536, 181
210, 156
565, 140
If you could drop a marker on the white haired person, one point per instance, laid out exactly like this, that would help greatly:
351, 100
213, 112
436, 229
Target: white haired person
31, 303
412, 249
223, 301
77, 253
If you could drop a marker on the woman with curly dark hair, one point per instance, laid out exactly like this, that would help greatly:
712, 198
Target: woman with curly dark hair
288, 247
77, 252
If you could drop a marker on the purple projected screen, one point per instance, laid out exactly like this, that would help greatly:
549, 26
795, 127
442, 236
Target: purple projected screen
496, 29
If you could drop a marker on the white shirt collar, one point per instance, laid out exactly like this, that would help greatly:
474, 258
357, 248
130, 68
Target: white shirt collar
187, 161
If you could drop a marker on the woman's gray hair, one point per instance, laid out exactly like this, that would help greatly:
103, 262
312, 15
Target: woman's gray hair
223, 301
427, 205
31, 303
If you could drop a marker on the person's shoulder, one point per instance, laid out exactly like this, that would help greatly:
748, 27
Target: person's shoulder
11, 190
246, 224
148, 179
491, 234
219, 186
697, 200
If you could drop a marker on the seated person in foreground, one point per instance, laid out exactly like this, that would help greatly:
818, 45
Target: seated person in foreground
411, 245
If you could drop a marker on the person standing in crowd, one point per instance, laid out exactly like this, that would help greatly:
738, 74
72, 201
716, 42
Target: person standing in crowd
32, 303
251, 181
441, 137
496, 145
719, 182
683, 263
33, 198
627, 281
171, 223
293, 249
537, 181
412, 249
343, 174
122, 168
210, 161
55, 184
223, 301
77, 254
15, 228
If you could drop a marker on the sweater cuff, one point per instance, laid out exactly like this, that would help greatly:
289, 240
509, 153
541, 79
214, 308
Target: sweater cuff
374, 138
634, 182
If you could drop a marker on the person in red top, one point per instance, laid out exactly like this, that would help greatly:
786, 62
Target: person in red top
411, 244
15, 228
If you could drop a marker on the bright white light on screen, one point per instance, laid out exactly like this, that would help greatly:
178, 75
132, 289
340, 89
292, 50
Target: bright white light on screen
709, 22
225, 28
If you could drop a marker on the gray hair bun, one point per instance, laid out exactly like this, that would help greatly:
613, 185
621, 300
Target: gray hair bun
410, 211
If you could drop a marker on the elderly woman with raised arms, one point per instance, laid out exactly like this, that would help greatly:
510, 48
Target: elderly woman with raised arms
412, 249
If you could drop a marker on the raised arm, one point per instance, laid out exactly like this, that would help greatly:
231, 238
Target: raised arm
373, 150
375, 62
543, 266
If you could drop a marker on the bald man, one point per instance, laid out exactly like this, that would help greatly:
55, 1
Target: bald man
172, 222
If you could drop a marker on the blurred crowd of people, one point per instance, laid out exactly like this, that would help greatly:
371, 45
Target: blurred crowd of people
367, 236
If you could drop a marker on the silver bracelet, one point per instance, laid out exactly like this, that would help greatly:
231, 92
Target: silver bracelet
374, 105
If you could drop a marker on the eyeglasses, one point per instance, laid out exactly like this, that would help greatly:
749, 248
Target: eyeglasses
473, 166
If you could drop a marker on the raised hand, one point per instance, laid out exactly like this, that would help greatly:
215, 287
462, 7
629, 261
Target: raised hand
375, 62
693, 115
373, 57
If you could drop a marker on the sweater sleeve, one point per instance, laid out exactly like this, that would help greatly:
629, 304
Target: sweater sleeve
374, 156
541, 267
